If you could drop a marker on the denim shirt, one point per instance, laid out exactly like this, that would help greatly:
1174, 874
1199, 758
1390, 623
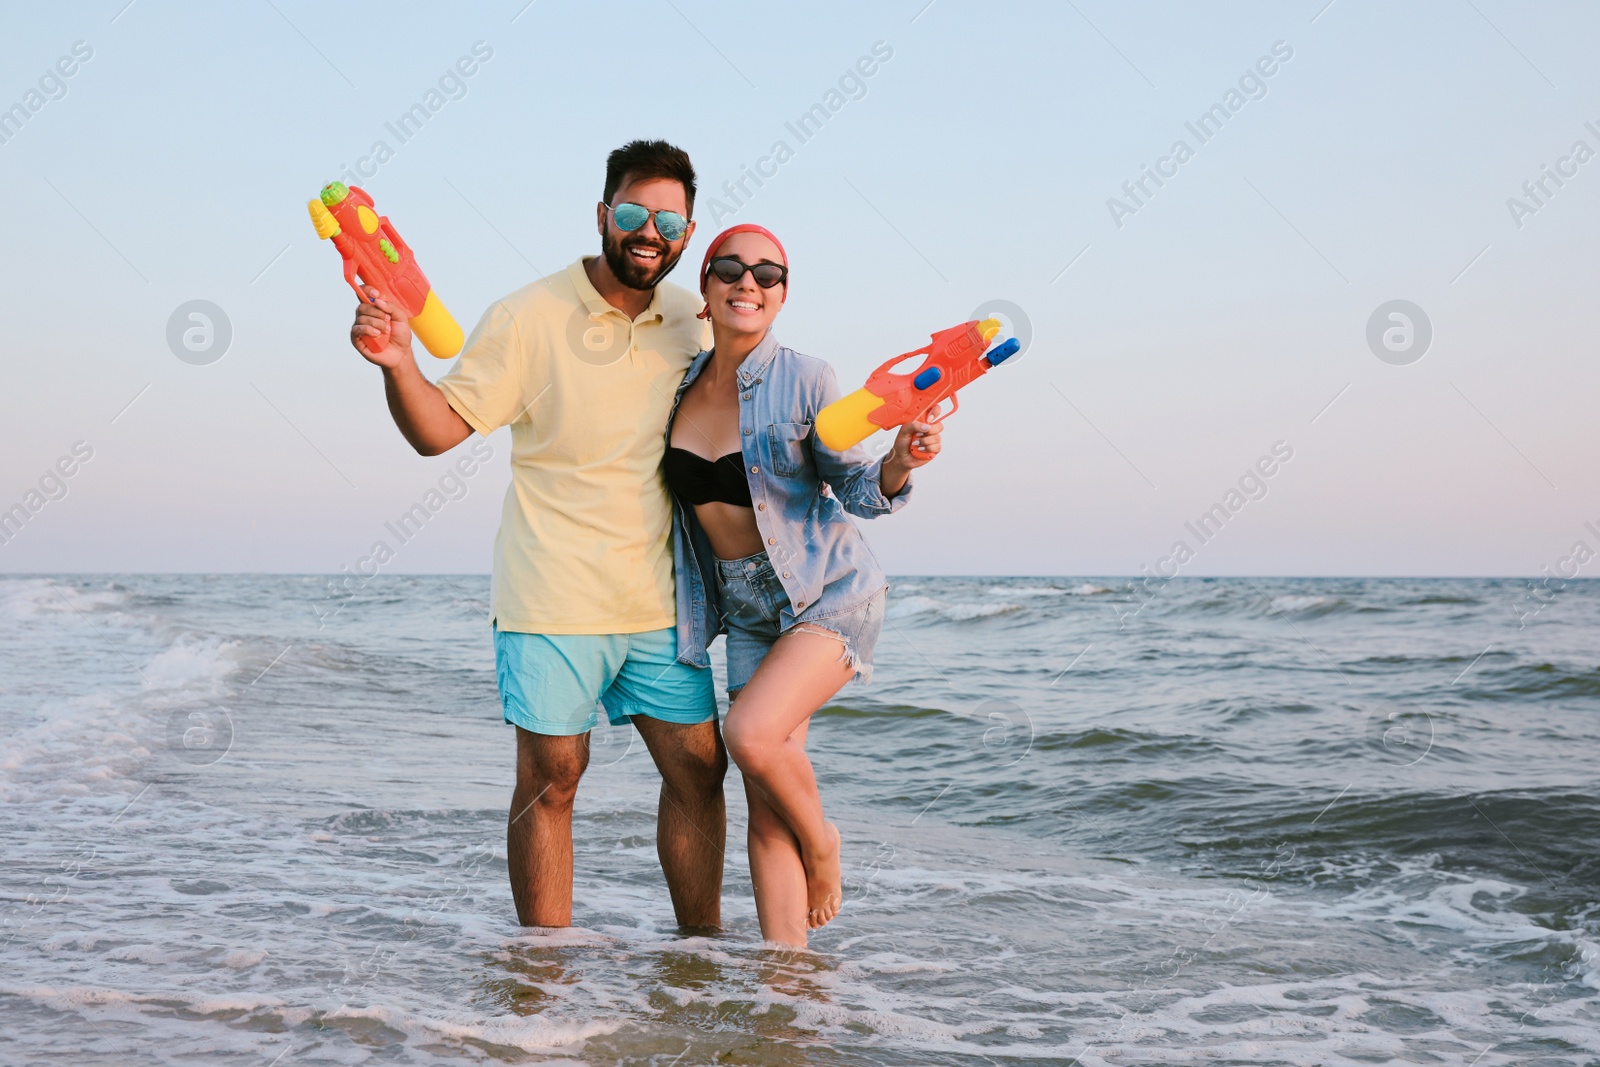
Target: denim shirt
800, 489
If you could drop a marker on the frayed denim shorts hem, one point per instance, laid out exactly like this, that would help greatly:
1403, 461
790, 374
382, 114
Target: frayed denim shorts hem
753, 602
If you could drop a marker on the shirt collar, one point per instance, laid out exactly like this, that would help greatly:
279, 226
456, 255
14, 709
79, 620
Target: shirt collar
760, 357
597, 305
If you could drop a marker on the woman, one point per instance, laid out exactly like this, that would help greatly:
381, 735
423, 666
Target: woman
765, 552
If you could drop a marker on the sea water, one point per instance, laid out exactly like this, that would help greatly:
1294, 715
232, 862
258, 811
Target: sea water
261, 820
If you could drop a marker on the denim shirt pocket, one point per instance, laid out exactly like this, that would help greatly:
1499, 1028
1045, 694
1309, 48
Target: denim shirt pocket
787, 443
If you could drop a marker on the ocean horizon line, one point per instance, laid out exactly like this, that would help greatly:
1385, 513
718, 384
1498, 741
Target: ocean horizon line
1055, 576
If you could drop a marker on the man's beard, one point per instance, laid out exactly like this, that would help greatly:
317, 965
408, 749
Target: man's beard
636, 275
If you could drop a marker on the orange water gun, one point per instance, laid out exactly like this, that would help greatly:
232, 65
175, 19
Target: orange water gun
954, 358
371, 248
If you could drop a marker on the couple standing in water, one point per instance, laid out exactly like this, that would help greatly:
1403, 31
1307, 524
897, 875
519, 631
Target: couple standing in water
666, 487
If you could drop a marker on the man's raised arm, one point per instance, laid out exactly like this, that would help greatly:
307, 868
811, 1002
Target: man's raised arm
424, 416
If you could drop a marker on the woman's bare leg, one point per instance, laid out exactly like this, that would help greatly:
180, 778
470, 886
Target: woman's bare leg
776, 871
801, 671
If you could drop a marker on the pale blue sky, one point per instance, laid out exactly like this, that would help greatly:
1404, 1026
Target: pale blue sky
1220, 318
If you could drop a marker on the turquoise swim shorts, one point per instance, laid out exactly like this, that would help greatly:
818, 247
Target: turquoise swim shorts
556, 683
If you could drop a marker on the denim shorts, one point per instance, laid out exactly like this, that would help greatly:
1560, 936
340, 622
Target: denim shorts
753, 601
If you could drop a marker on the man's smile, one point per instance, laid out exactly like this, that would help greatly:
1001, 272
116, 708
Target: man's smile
645, 255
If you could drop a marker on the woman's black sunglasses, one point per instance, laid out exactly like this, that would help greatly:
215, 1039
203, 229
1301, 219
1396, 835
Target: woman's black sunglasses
730, 269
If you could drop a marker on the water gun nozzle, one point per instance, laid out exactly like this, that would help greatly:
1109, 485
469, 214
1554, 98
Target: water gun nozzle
322, 219
1002, 351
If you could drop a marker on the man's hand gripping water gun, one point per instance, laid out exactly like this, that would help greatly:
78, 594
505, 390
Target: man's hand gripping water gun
953, 359
371, 248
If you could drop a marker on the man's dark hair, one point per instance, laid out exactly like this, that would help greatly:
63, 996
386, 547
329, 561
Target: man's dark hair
649, 159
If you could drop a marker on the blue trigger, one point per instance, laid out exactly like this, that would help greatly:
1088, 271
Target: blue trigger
927, 378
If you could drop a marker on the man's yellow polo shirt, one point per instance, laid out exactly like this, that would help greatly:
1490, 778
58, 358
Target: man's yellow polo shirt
585, 542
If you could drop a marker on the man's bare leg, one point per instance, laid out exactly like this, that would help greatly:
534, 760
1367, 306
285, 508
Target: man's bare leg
691, 820
539, 827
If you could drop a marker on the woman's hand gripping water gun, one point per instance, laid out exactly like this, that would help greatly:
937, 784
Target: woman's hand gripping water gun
911, 401
914, 446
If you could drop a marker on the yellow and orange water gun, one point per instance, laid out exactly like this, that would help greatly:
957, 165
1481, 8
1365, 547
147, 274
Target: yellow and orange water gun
371, 248
953, 359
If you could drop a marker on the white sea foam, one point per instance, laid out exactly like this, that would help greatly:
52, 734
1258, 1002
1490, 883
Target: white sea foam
529, 1033
143, 954
243, 959
29, 598
1295, 603
108, 737
193, 663
1082, 589
908, 607
1423, 896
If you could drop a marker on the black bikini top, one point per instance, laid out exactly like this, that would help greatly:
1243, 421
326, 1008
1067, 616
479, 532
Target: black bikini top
698, 480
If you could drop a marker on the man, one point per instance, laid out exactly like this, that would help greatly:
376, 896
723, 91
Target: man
583, 366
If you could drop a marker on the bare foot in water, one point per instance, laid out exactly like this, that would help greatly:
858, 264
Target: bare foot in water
824, 883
